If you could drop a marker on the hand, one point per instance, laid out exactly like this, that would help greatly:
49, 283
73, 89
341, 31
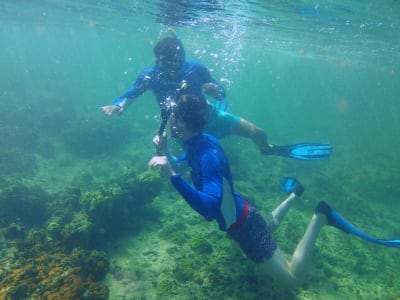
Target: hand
110, 109
158, 161
211, 89
161, 161
160, 143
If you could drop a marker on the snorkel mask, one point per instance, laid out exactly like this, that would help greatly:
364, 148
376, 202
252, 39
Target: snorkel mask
169, 53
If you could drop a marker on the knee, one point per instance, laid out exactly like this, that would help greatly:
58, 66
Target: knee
259, 133
254, 131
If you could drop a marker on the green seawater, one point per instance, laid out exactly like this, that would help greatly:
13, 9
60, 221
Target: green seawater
302, 70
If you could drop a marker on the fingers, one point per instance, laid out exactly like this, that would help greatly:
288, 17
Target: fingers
160, 143
110, 109
152, 163
107, 110
156, 143
158, 161
156, 140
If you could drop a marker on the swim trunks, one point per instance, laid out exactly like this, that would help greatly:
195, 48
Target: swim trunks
254, 237
220, 123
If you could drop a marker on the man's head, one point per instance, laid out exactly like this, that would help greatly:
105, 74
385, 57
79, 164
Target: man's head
169, 53
189, 116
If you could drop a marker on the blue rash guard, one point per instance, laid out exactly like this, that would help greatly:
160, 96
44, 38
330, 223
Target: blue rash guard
193, 73
209, 166
209, 169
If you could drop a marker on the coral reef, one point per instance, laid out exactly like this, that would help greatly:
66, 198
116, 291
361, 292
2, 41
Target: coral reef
56, 236
117, 207
43, 267
57, 276
77, 232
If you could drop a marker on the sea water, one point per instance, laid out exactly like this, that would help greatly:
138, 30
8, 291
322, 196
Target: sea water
323, 71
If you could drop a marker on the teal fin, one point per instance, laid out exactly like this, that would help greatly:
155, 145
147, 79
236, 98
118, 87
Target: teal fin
291, 185
336, 220
303, 151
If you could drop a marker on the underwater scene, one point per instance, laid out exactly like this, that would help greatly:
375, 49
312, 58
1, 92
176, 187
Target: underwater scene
82, 216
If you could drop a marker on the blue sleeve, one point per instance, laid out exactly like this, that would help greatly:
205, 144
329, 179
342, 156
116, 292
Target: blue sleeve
141, 84
206, 202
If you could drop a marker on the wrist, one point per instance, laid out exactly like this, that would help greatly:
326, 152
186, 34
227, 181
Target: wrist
121, 104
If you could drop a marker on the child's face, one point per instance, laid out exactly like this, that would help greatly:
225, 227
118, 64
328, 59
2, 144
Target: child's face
177, 127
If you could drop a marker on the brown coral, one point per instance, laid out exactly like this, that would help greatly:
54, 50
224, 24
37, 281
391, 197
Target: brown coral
57, 276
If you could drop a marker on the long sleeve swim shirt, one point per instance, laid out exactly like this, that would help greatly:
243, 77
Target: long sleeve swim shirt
209, 166
192, 73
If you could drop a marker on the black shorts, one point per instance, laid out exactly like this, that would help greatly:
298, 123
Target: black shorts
254, 237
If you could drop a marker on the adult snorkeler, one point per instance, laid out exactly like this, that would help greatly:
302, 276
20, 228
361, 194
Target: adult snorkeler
171, 76
212, 195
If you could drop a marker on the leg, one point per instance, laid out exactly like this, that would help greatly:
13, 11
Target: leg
221, 124
291, 274
302, 256
276, 216
278, 267
256, 134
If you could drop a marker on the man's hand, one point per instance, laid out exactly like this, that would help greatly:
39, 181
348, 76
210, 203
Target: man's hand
211, 89
110, 109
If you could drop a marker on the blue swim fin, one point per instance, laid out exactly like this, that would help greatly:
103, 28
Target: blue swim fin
303, 151
336, 220
291, 185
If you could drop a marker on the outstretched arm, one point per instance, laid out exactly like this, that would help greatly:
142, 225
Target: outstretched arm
141, 84
115, 108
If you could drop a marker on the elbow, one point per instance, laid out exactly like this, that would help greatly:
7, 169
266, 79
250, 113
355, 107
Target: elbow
210, 211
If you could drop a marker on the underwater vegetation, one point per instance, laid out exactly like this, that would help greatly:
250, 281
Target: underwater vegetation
47, 275
51, 245
54, 241
117, 206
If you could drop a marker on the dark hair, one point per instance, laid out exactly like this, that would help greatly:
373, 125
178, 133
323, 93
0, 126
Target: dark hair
170, 48
192, 110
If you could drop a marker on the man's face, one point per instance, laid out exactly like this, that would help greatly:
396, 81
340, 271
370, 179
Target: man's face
170, 63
